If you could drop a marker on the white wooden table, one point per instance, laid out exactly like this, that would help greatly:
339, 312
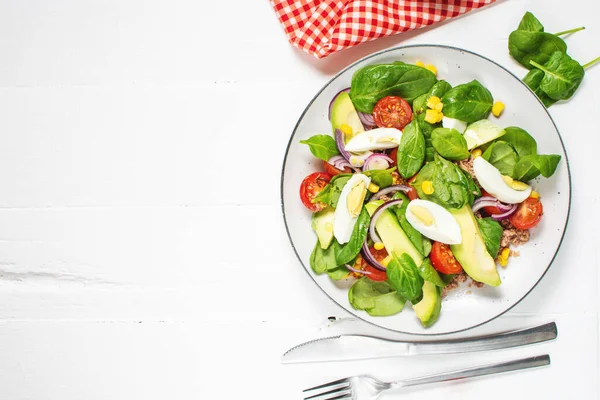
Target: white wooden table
142, 249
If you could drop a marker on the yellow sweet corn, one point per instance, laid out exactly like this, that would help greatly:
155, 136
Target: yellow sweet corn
439, 106
378, 246
347, 129
386, 261
427, 187
476, 153
419, 64
373, 188
433, 101
432, 68
433, 116
503, 257
534, 194
497, 108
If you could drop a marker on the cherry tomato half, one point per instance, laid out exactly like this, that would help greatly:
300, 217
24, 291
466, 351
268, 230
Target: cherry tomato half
331, 170
412, 192
311, 186
528, 214
392, 112
443, 260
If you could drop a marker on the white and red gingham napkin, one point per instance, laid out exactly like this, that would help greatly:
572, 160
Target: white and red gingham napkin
321, 27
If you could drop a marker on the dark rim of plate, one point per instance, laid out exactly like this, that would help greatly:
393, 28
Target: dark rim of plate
354, 312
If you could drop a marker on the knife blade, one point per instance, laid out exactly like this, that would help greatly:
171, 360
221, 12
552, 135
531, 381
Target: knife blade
357, 347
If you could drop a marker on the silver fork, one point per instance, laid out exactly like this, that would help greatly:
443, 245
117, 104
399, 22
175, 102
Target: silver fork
366, 387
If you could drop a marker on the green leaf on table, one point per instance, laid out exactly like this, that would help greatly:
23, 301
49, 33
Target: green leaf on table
562, 76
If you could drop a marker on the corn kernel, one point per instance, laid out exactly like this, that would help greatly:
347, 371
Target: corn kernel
386, 260
497, 108
534, 195
433, 116
432, 68
476, 153
427, 187
419, 64
439, 107
373, 188
505, 252
378, 246
347, 129
433, 102
503, 261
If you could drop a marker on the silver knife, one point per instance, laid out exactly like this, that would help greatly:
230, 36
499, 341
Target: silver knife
356, 347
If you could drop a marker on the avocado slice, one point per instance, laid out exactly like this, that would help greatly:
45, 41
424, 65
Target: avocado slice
391, 233
322, 223
428, 309
482, 132
343, 112
472, 253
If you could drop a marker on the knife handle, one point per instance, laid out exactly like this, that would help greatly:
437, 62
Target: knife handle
538, 334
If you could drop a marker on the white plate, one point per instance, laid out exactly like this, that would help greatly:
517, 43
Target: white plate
465, 307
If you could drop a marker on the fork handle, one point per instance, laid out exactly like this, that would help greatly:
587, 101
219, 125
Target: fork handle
515, 365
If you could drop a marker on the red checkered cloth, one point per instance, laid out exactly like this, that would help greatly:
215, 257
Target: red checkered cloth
321, 27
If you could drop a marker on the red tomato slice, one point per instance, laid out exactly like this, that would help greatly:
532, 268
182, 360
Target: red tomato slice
490, 210
394, 156
311, 186
528, 214
443, 260
331, 170
392, 112
412, 192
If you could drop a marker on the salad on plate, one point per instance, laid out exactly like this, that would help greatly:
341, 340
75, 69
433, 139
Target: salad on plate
422, 188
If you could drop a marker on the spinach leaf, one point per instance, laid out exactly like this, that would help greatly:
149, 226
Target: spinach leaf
411, 151
491, 231
450, 186
376, 298
403, 276
531, 166
523, 143
420, 104
530, 23
413, 235
440, 89
338, 273
474, 190
468, 102
373, 82
323, 260
322, 146
562, 76
426, 246
429, 274
533, 79
331, 192
381, 177
529, 42
348, 252
502, 156
450, 144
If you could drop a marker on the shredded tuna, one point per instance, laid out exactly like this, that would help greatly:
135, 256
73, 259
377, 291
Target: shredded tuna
467, 165
514, 236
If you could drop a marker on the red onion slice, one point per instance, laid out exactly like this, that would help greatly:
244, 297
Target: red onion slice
341, 163
333, 100
377, 161
358, 271
390, 189
376, 215
489, 201
367, 120
366, 253
341, 145
504, 215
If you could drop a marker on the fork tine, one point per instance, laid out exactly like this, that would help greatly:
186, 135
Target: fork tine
334, 391
343, 396
343, 380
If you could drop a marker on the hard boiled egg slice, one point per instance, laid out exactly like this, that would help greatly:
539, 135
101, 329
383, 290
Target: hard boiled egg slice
433, 221
452, 123
375, 139
501, 187
349, 206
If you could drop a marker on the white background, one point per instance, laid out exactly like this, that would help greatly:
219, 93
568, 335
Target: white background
142, 249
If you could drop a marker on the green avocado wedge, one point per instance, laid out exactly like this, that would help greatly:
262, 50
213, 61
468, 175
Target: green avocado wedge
343, 112
428, 309
472, 252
